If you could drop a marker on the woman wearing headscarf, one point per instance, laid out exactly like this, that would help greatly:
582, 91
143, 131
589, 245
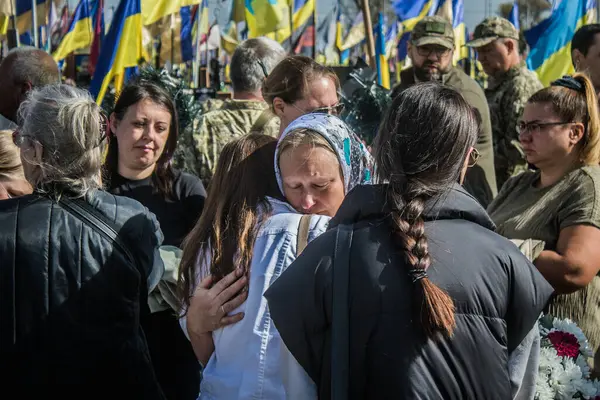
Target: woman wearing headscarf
410, 294
247, 231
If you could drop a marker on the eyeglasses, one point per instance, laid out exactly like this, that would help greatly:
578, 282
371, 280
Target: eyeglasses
426, 51
536, 127
336, 109
473, 157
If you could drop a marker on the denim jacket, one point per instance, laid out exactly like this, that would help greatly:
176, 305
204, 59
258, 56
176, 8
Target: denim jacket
250, 360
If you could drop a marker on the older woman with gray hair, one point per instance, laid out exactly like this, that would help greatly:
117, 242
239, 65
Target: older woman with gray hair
76, 263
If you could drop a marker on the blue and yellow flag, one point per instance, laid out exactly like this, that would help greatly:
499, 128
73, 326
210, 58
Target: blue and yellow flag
121, 49
550, 40
339, 37
79, 34
453, 10
266, 17
24, 12
410, 12
154, 10
303, 10
383, 69
513, 16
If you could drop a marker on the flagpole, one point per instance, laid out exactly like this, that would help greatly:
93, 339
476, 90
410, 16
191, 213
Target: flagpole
34, 18
315, 26
291, 26
369, 32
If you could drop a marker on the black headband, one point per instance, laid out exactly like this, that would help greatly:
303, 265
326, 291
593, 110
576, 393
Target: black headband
570, 83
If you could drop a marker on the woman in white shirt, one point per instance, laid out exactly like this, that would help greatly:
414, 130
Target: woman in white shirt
317, 161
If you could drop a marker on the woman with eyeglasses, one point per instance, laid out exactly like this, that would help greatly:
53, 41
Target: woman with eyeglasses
555, 210
299, 85
144, 131
76, 263
12, 177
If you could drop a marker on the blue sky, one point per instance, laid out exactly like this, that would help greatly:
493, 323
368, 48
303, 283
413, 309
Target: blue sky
475, 10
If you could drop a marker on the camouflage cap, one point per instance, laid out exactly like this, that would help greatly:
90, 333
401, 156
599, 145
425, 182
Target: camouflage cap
493, 28
433, 30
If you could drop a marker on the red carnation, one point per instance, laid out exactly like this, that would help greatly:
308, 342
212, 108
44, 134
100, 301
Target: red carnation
565, 344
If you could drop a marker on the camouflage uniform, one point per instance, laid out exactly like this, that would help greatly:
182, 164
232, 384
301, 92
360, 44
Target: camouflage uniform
507, 95
216, 128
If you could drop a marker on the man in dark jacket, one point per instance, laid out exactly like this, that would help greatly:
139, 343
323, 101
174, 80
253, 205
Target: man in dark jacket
498, 296
431, 49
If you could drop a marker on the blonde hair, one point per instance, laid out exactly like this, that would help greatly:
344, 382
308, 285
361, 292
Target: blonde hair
10, 159
69, 125
574, 106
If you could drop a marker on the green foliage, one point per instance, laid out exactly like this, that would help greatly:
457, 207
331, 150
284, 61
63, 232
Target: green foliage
365, 110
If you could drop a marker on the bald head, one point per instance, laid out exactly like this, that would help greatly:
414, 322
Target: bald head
23, 69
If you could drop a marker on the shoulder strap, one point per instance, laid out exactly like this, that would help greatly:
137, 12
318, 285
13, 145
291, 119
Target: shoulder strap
340, 318
262, 120
90, 216
303, 228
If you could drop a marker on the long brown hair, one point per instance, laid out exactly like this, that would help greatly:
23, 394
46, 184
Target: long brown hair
227, 229
574, 106
290, 79
421, 149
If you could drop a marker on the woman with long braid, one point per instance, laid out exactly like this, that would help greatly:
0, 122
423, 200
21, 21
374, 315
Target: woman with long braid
438, 305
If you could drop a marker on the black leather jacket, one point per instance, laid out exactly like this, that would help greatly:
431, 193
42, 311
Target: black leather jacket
70, 302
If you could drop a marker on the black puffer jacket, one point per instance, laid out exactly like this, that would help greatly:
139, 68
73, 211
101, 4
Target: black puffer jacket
498, 296
70, 302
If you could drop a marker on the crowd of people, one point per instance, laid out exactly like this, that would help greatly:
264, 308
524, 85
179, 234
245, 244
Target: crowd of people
294, 260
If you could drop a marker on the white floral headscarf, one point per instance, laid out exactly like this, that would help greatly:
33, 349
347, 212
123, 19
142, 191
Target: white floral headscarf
354, 158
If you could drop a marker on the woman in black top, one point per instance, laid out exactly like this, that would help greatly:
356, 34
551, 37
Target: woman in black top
138, 165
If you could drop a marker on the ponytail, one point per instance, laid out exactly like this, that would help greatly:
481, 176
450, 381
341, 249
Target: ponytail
433, 309
590, 153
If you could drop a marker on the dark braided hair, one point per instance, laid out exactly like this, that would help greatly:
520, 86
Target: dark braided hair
421, 150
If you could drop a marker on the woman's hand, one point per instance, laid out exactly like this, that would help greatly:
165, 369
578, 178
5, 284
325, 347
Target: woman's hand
210, 306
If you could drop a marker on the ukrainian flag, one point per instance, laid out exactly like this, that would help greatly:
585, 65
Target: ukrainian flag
339, 37
453, 10
153, 10
79, 34
550, 40
303, 11
24, 13
514, 15
383, 69
265, 17
410, 12
121, 49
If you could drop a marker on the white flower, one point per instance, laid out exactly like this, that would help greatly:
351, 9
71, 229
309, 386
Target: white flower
566, 325
549, 360
588, 389
583, 366
568, 381
543, 391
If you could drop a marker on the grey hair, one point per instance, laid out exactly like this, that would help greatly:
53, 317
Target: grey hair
247, 73
70, 127
33, 65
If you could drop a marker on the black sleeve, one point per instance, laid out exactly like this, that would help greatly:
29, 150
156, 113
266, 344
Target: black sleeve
300, 305
529, 295
192, 195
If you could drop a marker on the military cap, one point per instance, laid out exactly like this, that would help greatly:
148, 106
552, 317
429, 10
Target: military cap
433, 30
493, 28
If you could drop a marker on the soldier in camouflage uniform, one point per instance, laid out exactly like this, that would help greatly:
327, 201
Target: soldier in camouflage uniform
510, 85
246, 112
